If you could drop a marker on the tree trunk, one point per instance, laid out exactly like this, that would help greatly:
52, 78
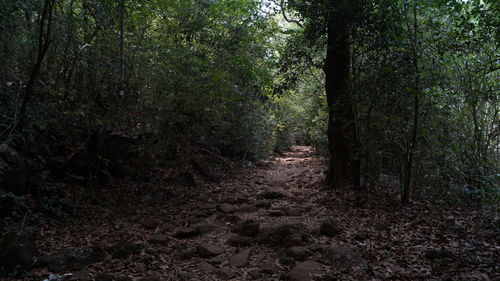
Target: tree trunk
344, 167
408, 176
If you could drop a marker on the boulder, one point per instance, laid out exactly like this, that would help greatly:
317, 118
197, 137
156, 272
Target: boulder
438, 254
206, 267
294, 212
263, 204
228, 208
159, 238
304, 271
330, 228
247, 228
299, 253
188, 232
17, 250
225, 273
287, 260
205, 228
293, 240
269, 269
272, 194
276, 213
13, 171
247, 208
123, 250
206, 250
240, 241
275, 235
241, 259
343, 257
70, 259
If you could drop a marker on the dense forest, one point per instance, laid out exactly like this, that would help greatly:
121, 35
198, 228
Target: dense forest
249, 140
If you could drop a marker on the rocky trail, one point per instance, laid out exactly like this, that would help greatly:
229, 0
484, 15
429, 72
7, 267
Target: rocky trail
273, 221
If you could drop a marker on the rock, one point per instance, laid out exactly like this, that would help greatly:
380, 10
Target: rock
17, 250
206, 250
238, 199
269, 269
159, 238
217, 260
304, 271
149, 278
147, 198
167, 228
380, 226
123, 250
247, 228
187, 254
184, 233
206, 267
329, 277
13, 171
438, 254
360, 236
183, 179
225, 273
206, 227
287, 260
299, 253
229, 218
82, 276
240, 241
150, 223
123, 278
241, 259
344, 257
227, 208
275, 235
294, 212
272, 194
104, 277
330, 228
70, 259
263, 204
210, 167
276, 213
293, 240
247, 208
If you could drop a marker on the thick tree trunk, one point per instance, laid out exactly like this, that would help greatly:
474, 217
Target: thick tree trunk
344, 167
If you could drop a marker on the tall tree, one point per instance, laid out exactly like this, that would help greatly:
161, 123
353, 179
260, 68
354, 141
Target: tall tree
334, 19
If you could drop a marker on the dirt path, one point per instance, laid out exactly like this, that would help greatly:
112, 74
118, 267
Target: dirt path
270, 222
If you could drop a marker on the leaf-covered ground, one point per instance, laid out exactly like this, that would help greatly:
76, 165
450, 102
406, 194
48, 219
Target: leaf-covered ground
386, 240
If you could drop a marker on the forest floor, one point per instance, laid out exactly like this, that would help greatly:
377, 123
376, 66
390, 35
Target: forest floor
273, 221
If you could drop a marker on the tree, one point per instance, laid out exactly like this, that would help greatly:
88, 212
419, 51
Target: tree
335, 19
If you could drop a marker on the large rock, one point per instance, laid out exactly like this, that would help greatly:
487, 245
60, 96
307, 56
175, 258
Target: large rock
272, 194
241, 259
330, 228
299, 253
206, 250
304, 271
225, 273
159, 238
17, 250
13, 171
124, 249
188, 232
275, 235
228, 208
247, 228
240, 241
344, 257
70, 259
